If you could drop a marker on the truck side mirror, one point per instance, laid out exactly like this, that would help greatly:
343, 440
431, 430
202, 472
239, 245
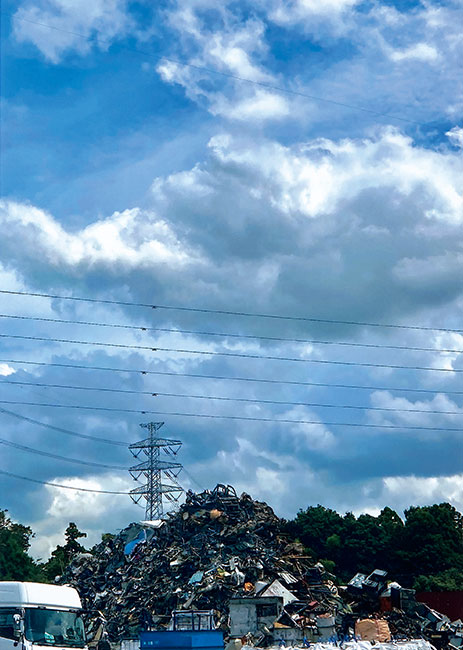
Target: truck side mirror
18, 626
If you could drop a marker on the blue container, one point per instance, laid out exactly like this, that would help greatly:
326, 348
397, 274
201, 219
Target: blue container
182, 640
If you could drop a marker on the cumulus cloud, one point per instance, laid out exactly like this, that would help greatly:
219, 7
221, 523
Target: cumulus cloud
126, 238
276, 213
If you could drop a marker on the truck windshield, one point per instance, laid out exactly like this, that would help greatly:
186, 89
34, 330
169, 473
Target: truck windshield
54, 628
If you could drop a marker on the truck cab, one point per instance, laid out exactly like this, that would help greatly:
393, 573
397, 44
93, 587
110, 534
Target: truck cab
35, 616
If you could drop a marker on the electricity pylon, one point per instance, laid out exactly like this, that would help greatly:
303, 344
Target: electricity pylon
154, 470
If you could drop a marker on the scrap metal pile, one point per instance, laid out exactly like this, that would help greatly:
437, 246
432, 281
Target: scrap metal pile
216, 549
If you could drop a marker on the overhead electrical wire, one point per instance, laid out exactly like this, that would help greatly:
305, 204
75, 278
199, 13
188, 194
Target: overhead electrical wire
238, 355
227, 399
227, 312
166, 373
232, 417
39, 452
280, 339
62, 430
228, 75
58, 485
69, 487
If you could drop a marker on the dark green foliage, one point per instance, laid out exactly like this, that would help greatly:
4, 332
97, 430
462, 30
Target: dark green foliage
62, 555
449, 580
431, 540
15, 563
425, 550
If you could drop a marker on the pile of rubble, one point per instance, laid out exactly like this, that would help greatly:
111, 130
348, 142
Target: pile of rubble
215, 547
227, 554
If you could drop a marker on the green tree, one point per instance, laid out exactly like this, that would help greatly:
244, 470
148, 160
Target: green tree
431, 541
313, 527
63, 555
15, 562
449, 580
424, 551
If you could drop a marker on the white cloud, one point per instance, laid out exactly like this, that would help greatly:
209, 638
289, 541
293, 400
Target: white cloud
261, 105
288, 483
417, 52
425, 490
130, 238
87, 509
402, 411
227, 45
455, 135
6, 370
302, 12
320, 209
71, 26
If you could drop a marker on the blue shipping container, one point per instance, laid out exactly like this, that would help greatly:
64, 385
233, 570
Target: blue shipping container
182, 640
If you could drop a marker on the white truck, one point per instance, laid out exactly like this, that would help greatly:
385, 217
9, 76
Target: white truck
35, 616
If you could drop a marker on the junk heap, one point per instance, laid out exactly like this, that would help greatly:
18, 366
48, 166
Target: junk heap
227, 553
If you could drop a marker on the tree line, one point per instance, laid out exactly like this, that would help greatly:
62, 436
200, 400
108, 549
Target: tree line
423, 550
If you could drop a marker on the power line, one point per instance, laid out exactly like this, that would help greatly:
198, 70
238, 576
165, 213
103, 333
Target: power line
233, 417
238, 355
227, 399
61, 430
171, 330
165, 373
39, 452
227, 75
231, 313
57, 485
201, 487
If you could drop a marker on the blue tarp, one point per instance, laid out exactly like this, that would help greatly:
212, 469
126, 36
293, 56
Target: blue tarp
140, 539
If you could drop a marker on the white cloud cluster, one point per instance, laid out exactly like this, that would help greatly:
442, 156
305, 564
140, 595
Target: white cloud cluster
311, 13
425, 490
130, 239
376, 75
375, 215
221, 44
57, 27
229, 46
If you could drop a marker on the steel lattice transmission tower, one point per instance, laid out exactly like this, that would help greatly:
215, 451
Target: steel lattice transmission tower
156, 470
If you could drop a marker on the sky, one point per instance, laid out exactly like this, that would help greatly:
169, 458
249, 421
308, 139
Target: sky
290, 158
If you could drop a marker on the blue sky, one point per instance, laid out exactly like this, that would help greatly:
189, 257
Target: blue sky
294, 158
